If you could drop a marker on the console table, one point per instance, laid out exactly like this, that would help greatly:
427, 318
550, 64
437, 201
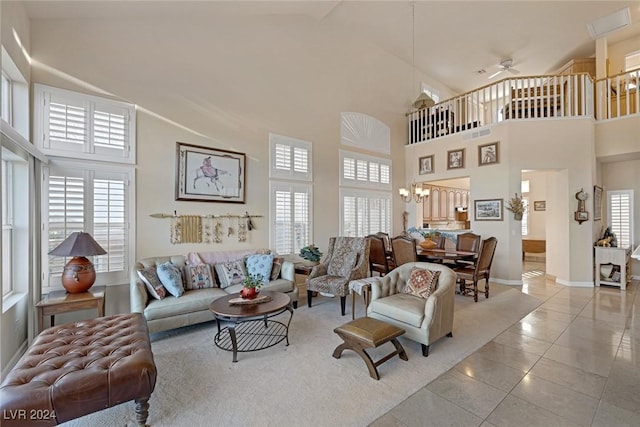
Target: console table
620, 271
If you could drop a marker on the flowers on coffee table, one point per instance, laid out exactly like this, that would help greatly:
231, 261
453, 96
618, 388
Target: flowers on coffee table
251, 286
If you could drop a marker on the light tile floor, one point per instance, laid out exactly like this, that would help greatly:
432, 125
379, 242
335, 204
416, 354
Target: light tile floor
573, 361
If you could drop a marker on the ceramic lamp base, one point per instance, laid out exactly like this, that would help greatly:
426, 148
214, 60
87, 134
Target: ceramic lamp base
78, 275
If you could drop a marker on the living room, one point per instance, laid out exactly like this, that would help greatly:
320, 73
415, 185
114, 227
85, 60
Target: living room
227, 80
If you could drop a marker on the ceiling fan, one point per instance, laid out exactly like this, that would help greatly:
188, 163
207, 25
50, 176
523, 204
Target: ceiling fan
505, 65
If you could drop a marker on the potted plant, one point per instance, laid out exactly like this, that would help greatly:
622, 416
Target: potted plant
251, 286
516, 205
311, 253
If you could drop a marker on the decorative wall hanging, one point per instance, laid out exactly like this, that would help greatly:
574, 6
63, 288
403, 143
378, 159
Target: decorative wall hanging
209, 175
488, 154
540, 205
207, 228
597, 203
581, 215
455, 159
425, 165
488, 210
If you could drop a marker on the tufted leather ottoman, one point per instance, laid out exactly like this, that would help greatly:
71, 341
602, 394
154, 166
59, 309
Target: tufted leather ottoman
75, 369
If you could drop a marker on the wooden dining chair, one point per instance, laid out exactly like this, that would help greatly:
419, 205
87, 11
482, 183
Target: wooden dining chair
469, 242
378, 260
481, 270
404, 250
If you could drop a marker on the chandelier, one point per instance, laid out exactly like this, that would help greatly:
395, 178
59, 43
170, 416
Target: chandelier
415, 192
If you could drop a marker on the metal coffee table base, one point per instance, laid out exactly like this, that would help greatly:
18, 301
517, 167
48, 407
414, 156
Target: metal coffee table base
252, 334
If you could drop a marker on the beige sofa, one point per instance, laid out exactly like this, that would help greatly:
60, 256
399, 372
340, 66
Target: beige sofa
424, 321
193, 306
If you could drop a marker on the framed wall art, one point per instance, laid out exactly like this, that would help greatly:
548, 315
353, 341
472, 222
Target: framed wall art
207, 174
488, 210
488, 154
540, 205
425, 165
455, 159
597, 203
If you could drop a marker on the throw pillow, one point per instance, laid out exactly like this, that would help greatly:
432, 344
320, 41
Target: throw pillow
171, 278
230, 273
260, 265
276, 267
152, 283
199, 277
422, 282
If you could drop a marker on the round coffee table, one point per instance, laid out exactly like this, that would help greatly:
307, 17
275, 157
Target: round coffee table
250, 327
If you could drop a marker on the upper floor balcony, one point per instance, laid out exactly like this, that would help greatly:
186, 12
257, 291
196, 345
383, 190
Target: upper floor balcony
529, 98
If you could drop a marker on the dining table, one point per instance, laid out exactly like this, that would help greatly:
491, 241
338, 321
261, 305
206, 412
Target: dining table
439, 255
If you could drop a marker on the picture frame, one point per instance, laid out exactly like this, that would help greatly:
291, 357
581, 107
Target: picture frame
597, 203
489, 154
425, 165
206, 174
540, 205
488, 210
455, 159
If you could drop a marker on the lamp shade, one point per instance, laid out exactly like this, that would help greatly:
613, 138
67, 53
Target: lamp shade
78, 243
78, 275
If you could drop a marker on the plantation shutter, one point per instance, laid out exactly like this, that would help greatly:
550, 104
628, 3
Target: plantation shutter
291, 210
290, 158
365, 212
620, 215
359, 170
76, 125
110, 223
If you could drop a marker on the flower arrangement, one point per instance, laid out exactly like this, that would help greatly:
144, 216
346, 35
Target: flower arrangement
311, 253
516, 205
251, 286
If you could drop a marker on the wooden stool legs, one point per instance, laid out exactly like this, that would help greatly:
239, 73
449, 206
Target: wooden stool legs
359, 348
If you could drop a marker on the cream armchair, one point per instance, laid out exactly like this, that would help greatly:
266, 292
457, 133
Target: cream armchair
424, 320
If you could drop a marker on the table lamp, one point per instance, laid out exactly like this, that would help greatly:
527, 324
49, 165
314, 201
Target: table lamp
79, 274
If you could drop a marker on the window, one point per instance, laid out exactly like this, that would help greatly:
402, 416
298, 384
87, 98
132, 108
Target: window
5, 106
290, 158
431, 92
95, 199
620, 214
290, 196
525, 216
364, 212
291, 217
7, 228
359, 170
76, 125
632, 61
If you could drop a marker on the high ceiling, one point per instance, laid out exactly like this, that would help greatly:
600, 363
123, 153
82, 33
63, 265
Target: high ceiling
451, 41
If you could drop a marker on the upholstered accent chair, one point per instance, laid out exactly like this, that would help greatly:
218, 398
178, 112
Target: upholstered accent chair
404, 250
424, 320
347, 259
378, 260
481, 270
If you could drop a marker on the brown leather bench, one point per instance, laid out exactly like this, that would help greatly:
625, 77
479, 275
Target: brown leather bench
78, 368
367, 332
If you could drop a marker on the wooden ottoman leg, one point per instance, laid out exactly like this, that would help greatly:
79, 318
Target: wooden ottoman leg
399, 349
339, 349
142, 411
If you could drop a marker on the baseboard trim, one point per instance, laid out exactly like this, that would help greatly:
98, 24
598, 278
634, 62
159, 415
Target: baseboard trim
575, 284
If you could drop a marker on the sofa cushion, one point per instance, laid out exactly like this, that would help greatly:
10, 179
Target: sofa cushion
171, 278
276, 267
198, 277
150, 278
230, 273
403, 307
190, 302
422, 282
278, 285
259, 265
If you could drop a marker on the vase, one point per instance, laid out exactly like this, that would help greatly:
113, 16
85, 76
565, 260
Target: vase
517, 216
427, 244
249, 293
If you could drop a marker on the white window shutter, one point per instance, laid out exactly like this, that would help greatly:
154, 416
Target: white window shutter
621, 216
291, 213
359, 170
290, 158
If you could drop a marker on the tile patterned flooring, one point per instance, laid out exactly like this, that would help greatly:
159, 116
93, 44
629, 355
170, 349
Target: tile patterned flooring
573, 361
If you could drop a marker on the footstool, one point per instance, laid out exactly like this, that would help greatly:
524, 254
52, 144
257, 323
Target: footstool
78, 368
367, 332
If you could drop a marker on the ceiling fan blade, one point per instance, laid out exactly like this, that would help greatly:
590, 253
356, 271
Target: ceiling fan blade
513, 71
494, 74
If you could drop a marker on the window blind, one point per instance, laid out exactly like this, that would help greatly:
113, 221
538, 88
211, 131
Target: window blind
620, 216
290, 158
291, 210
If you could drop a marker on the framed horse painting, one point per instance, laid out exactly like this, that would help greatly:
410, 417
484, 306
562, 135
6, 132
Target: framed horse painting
209, 175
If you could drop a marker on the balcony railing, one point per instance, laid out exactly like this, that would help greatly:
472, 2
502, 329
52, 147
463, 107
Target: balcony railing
527, 98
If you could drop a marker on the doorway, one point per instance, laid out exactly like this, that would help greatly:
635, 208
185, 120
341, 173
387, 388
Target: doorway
534, 223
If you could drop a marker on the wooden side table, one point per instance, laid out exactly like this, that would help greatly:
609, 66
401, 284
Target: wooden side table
57, 302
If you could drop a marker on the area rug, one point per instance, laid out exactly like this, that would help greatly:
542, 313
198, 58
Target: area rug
302, 384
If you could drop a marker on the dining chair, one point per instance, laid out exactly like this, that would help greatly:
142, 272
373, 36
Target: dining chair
378, 260
404, 250
481, 270
469, 242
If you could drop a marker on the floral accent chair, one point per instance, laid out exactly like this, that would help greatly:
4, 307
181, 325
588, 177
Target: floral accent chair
347, 259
